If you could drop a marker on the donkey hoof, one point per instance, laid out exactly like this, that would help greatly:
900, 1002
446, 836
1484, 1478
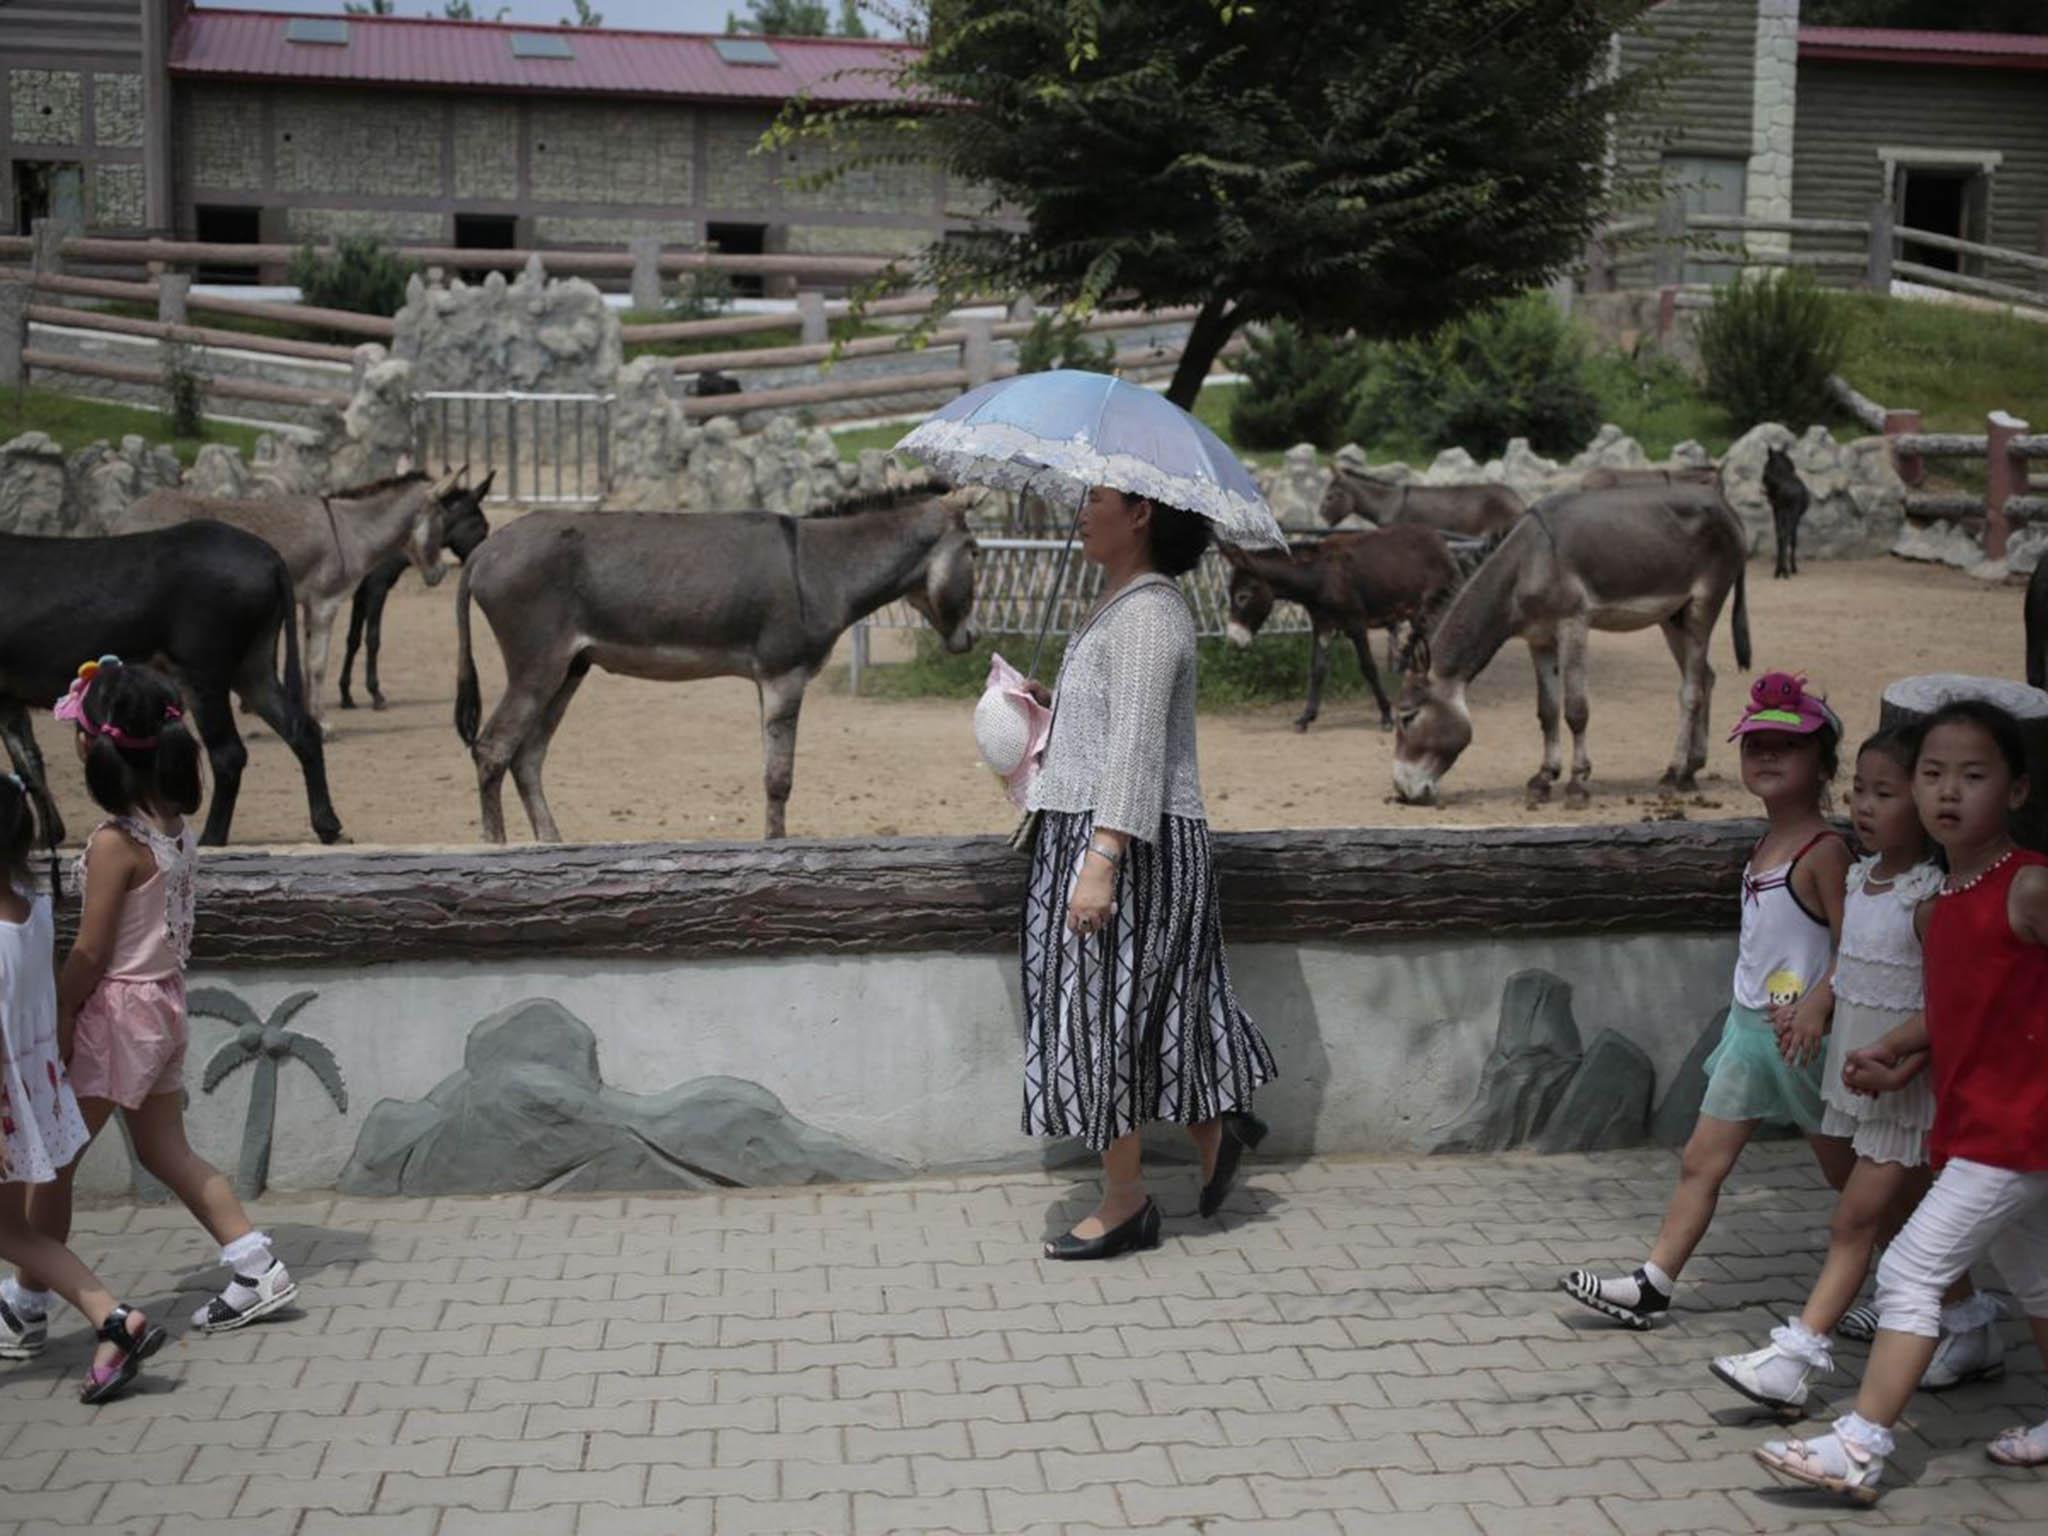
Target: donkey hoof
1576, 797
378, 704
347, 702
1386, 724
1302, 723
1539, 791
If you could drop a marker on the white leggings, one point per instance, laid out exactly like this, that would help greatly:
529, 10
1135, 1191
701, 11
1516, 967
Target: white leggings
1973, 1209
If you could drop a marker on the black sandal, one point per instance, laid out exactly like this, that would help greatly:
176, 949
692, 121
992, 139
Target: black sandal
1242, 1131
103, 1382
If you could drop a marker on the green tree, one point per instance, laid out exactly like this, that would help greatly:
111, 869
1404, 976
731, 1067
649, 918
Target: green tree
585, 16
266, 1043
1377, 167
850, 23
783, 18
462, 10
1935, 15
370, 7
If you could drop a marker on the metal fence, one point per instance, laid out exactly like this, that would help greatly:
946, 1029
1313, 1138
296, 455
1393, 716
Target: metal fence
1015, 577
548, 450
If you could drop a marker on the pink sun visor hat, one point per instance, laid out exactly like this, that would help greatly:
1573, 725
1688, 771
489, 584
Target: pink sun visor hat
1778, 701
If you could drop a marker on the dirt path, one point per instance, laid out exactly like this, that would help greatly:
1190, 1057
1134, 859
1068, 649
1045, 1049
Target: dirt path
661, 761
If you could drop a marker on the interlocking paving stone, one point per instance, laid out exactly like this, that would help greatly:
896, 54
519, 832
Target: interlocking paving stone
1378, 1351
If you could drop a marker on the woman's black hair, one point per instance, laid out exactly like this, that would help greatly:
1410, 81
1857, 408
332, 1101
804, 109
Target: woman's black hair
17, 833
144, 706
1994, 722
1178, 539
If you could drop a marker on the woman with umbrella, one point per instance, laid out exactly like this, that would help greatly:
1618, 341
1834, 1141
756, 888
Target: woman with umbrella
1129, 1012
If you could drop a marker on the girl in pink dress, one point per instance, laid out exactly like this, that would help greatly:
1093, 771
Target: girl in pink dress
121, 996
40, 1127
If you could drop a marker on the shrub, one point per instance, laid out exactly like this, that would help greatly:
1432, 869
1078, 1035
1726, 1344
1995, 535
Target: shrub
1515, 369
1296, 389
184, 395
361, 274
1058, 341
1769, 344
702, 293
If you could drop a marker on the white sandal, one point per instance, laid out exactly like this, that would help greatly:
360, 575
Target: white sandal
2020, 1447
1826, 1462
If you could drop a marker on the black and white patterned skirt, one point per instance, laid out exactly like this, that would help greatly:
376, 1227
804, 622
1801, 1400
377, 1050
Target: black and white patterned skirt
1137, 1022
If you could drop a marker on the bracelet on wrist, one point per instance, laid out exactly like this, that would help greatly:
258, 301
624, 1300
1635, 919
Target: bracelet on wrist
1113, 860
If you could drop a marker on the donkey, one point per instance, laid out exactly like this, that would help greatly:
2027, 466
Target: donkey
1788, 497
1475, 511
330, 543
1351, 584
206, 601
1618, 559
655, 595
467, 528
1602, 478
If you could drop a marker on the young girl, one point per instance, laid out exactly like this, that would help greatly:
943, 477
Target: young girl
122, 993
1767, 1066
1876, 988
40, 1129
1984, 1043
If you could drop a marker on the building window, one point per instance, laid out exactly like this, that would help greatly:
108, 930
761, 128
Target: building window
1709, 184
485, 232
218, 225
48, 189
740, 240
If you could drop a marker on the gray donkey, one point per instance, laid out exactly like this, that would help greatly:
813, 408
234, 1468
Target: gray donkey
330, 543
673, 598
1788, 497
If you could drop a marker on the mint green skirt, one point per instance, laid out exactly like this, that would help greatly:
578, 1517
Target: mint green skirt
1748, 1080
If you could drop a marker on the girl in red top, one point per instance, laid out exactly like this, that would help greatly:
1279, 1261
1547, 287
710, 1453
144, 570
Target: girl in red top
1984, 1041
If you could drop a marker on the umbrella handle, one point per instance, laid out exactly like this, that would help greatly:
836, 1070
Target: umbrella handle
1059, 578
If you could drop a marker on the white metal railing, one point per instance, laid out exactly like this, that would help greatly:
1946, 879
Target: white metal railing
547, 449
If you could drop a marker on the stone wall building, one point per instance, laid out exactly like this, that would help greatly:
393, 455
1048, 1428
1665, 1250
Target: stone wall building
245, 127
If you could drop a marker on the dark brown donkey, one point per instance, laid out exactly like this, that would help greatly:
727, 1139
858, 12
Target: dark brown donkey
671, 597
1351, 584
1474, 511
1620, 559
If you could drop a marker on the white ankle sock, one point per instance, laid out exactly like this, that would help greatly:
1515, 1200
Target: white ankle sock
23, 1303
249, 1255
1658, 1278
1871, 1439
1804, 1345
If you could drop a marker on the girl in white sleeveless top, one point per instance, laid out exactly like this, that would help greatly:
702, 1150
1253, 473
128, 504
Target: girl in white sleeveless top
1768, 1064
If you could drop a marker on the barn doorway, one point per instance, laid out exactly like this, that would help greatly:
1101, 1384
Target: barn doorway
48, 189
227, 225
1942, 200
485, 232
741, 240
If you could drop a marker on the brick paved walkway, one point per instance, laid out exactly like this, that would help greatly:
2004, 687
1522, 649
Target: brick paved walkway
1365, 1347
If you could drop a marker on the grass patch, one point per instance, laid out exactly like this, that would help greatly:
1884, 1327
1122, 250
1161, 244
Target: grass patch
75, 422
1954, 366
246, 325
1273, 671
771, 334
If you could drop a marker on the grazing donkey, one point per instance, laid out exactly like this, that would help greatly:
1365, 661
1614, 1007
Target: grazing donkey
714, 594
1788, 497
1602, 478
206, 601
1475, 511
1351, 584
1619, 559
467, 528
330, 543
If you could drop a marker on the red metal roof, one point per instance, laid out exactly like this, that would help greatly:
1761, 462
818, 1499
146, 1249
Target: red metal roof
476, 55
1957, 50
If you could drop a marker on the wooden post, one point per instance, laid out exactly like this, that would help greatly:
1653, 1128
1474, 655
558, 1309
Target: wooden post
1914, 698
48, 256
1025, 307
1911, 467
646, 252
2041, 246
171, 289
814, 331
978, 349
1670, 253
2007, 478
1667, 313
14, 300
1877, 271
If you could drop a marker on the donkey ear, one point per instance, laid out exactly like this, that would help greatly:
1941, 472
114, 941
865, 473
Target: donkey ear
483, 486
1233, 555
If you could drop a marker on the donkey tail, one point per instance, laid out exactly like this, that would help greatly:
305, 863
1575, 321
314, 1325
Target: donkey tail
1740, 624
294, 678
469, 704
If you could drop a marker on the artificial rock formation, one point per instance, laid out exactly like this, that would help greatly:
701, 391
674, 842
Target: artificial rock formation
1535, 1052
553, 335
1858, 505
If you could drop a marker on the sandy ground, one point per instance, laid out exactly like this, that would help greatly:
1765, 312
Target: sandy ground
662, 761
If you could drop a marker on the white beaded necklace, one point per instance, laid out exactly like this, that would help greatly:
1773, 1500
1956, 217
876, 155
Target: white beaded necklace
1950, 888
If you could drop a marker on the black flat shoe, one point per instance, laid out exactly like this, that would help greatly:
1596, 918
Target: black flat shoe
1141, 1231
1242, 1131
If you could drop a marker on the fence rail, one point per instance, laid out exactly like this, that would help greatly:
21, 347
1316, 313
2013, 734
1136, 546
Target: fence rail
543, 458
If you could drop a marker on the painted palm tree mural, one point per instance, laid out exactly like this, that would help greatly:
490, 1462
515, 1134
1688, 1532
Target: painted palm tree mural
267, 1044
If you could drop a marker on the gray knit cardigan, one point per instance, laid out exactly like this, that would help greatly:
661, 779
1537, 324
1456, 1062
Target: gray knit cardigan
1123, 734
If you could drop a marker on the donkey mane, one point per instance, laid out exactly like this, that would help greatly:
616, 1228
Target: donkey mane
877, 501
373, 487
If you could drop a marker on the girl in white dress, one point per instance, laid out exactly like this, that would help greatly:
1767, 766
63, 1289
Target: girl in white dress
1877, 987
40, 1127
